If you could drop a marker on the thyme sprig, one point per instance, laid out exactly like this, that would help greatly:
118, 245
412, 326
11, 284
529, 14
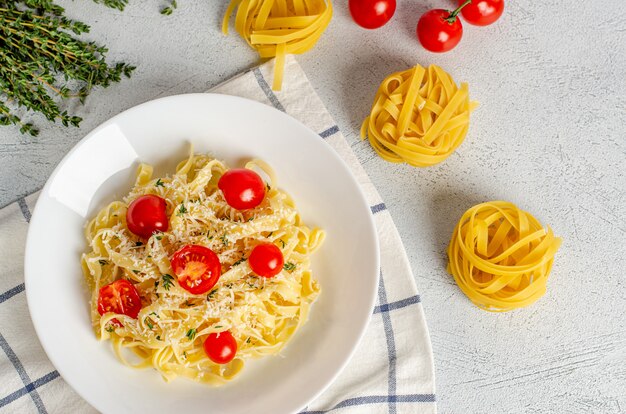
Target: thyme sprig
43, 62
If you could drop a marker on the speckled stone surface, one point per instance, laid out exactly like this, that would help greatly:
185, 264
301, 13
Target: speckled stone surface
549, 135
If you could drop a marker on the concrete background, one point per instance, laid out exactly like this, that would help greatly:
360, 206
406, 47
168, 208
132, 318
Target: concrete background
549, 136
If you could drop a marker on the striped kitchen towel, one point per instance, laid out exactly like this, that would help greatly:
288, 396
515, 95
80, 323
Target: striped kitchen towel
392, 369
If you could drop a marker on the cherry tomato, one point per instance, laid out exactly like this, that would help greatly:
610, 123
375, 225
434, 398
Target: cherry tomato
220, 347
372, 14
119, 297
243, 189
439, 31
197, 267
482, 12
266, 260
147, 214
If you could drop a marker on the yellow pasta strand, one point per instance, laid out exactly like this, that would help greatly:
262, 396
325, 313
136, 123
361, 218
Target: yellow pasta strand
501, 256
276, 28
419, 117
168, 334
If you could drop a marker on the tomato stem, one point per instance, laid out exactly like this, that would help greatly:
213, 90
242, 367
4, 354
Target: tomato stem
452, 16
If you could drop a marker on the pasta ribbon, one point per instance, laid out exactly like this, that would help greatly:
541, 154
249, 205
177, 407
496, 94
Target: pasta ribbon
501, 256
279, 27
419, 116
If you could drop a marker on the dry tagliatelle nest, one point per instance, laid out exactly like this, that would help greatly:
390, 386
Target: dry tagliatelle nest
419, 116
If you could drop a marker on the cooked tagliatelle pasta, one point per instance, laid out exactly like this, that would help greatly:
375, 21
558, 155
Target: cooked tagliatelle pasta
279, 27
170, 328
419, 116
501, 256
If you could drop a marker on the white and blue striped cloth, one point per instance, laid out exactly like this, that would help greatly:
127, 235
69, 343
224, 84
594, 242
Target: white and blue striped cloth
392, 369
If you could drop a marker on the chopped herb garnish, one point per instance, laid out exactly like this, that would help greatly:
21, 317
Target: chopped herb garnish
210, 295
224, 239
290, 267
243, 259
248, 340
270, 235
109, 329
155, 314
218, 326
156, 284
159, 236
136, 271
282, 242
229, 286
148, 322
182, 210
185, 354
188, 304
158, 183
191, 334
251, 218
268, 187
137, 244
167, 282
102, 262
158, 337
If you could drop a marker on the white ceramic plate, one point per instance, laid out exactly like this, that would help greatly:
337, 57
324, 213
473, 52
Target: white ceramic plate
101, 168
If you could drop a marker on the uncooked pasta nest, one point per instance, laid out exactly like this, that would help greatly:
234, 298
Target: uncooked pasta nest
501, 256
419, 116
278, 27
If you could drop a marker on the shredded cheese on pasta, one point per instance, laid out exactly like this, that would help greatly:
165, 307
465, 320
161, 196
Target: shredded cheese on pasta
262, 314
279, 27
419, 116
501, 256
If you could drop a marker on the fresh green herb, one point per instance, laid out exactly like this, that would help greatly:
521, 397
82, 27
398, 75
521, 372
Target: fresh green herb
224, 240
211, 294
158, 337
229, 286
282, 242
185, 354
248, 340
43, 63
159, 183
167, 281
169, 9
243, 259
218, 326
191, 334
109, 329
251, 218
155, 314
208, 234
102, 262
156, 284
290, 267
182, 210
268, 186
136, 271
188, 303
159, 236
270, 235
137, 244
148, 322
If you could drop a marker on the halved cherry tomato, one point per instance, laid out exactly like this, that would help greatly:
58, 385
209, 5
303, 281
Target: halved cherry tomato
243, 189
147, 214
482, 12
266, 260
119, 297
197, 267
220, 347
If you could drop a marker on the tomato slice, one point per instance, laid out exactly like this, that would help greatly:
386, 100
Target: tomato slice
243, 189
146, 215
119, 297
266, 260
220, 347
197, 267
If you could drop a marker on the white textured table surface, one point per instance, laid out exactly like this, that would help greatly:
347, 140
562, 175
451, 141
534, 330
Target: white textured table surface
550, 136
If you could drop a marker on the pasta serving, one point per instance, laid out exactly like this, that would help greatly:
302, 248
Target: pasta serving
197, 272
